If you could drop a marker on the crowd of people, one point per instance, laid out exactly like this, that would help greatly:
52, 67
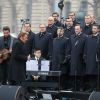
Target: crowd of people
72, 48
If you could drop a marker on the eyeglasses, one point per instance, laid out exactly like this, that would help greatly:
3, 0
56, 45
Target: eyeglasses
50, 20
55, 16
42, 27
68, 21
71, 15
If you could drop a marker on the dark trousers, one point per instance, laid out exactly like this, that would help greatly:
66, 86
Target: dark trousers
76, 83
64, 80
4, 70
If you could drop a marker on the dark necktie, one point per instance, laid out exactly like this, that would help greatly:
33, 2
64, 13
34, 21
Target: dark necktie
39, 64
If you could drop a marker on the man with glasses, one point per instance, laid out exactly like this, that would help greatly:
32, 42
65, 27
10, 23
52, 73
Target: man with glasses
69, 28
51, 28
87, 25
43, 41
57, 23
73, 16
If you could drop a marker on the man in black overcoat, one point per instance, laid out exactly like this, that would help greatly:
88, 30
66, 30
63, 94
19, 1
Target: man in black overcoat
73, 16
69, 28
77, 69
43, 40
92, 55
87, 28
51, 28
61, 55
30, 43
57, 23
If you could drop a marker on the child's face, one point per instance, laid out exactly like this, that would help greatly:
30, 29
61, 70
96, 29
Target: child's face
37, 54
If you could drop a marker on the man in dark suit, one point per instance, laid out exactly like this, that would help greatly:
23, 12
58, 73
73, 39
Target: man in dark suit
6, 42
73, 16
57, 23
30, 43
69, 28
18, 60
60, 55
77, 69
92, 58
51, 28
87, 28
43, 40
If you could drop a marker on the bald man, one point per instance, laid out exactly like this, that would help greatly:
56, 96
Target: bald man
51, 28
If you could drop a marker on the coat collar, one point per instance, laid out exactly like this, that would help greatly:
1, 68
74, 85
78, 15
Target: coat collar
42, 34
79, 35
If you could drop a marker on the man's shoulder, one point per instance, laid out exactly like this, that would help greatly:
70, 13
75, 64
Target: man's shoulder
33, 58
31, 33
1, 37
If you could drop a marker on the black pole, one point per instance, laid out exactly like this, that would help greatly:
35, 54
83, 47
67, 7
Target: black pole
61, 5
22, 27
98, 63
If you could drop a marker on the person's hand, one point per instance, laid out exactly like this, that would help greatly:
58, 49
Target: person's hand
10, 50
29, 57
35, 77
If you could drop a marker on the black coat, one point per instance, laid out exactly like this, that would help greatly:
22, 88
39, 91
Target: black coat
44, 42
77, 53
58, 24
30, 43
91, 52
69, 31
18, 62
52, 30
61, 52
75, 22
87, 29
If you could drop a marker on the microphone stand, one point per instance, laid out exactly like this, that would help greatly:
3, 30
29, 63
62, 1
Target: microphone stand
61, 5
75, 81
75, 77
23, 21
22, 26
98, 63
58, 36
98, 76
